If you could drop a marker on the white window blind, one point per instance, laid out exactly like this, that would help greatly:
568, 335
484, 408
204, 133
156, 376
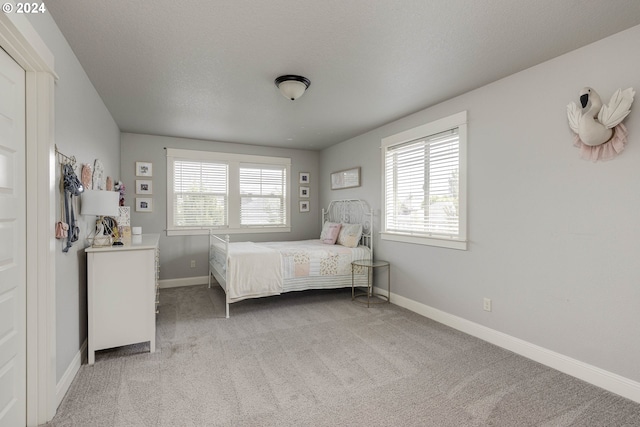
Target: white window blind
425, 184
263, 190
237, 193
200, 194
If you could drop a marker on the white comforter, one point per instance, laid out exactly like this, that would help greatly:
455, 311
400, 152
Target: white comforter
254, 271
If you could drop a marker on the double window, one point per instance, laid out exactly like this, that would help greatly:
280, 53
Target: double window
425, 184
232, 192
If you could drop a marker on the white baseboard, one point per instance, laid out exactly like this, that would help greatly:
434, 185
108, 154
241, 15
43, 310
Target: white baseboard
599, 377
65, 382
185, 281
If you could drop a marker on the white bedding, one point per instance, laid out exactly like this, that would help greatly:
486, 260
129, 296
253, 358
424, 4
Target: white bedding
254, 270
262, 269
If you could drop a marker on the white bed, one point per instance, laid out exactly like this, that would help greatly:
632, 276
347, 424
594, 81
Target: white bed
252, 270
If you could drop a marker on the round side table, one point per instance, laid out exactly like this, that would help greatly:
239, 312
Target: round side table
370, 265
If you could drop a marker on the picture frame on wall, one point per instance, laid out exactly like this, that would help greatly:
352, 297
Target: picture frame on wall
304, 177
144, 204
144, 169
304, 206
144, 186
304, 192
347, 178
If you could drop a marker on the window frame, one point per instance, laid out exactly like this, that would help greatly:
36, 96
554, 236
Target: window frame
233, 161
454, 121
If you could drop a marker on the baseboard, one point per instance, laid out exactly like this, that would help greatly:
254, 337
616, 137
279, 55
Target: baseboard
593, 375
65, 382
185, 281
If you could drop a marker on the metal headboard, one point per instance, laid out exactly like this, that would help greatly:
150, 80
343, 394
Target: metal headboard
352, 211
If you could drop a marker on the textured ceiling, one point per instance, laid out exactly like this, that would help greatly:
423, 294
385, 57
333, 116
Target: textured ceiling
205, 68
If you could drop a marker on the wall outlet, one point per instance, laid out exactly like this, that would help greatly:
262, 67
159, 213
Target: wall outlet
193, 263
487, 304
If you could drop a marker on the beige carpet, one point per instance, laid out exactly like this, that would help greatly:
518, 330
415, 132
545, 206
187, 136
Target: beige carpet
317, 359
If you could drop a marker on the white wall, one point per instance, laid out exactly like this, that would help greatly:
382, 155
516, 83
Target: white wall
553, 238
176, 252
84, 129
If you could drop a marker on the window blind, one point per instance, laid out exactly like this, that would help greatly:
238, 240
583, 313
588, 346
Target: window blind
240, 193
263, 190
200, 194
422, 186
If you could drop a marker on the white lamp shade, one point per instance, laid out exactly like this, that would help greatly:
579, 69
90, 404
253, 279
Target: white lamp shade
100, 203
292, 89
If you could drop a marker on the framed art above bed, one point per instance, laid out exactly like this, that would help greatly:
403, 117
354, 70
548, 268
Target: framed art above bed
347, 178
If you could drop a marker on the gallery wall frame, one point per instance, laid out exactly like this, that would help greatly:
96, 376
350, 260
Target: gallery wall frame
144, 204
144, 186
144, 169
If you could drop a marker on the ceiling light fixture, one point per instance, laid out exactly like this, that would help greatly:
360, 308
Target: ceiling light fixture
292, 87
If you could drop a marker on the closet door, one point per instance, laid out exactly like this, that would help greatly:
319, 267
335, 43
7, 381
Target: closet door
12, 244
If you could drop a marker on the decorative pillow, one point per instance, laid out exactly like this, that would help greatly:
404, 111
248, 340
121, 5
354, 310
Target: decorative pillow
350, 235
330, 231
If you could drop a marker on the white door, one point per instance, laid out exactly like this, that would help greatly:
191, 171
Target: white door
13, 307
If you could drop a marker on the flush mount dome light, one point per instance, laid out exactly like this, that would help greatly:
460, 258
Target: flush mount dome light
292, 87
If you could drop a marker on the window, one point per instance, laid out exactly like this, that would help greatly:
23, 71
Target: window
425, 184
262, 195
199, 193
232, 192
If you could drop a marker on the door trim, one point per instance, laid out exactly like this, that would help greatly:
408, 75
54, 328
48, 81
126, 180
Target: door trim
21, 41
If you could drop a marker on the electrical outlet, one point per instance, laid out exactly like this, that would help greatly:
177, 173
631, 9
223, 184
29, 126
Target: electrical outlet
193, 263
487, 304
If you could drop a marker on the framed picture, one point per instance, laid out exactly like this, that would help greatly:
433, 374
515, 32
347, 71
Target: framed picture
144, 169
144, 204
124, 217
304, 192
144, 186
345, 179
304, 178
304, 206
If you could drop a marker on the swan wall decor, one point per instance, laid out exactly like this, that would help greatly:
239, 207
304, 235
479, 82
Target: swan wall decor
599, 132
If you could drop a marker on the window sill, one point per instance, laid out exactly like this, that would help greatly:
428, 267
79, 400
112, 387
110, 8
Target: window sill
427, 241
223, 231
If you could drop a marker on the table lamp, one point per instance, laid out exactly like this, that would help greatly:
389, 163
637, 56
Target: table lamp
102, 204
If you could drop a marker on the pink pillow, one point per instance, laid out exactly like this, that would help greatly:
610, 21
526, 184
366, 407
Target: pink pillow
330, 232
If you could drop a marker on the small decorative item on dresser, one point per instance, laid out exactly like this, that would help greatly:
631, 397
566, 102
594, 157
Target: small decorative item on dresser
124, 223
304, 206
144, 204
144, 169
144, 186
119, 187
304, 192
304, 178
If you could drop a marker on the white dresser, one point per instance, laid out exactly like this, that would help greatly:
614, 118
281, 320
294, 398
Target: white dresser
122, 294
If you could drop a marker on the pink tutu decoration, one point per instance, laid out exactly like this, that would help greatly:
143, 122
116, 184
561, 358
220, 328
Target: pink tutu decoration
606, 151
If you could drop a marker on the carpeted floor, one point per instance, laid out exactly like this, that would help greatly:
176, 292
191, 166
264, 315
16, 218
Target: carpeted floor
317, 359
